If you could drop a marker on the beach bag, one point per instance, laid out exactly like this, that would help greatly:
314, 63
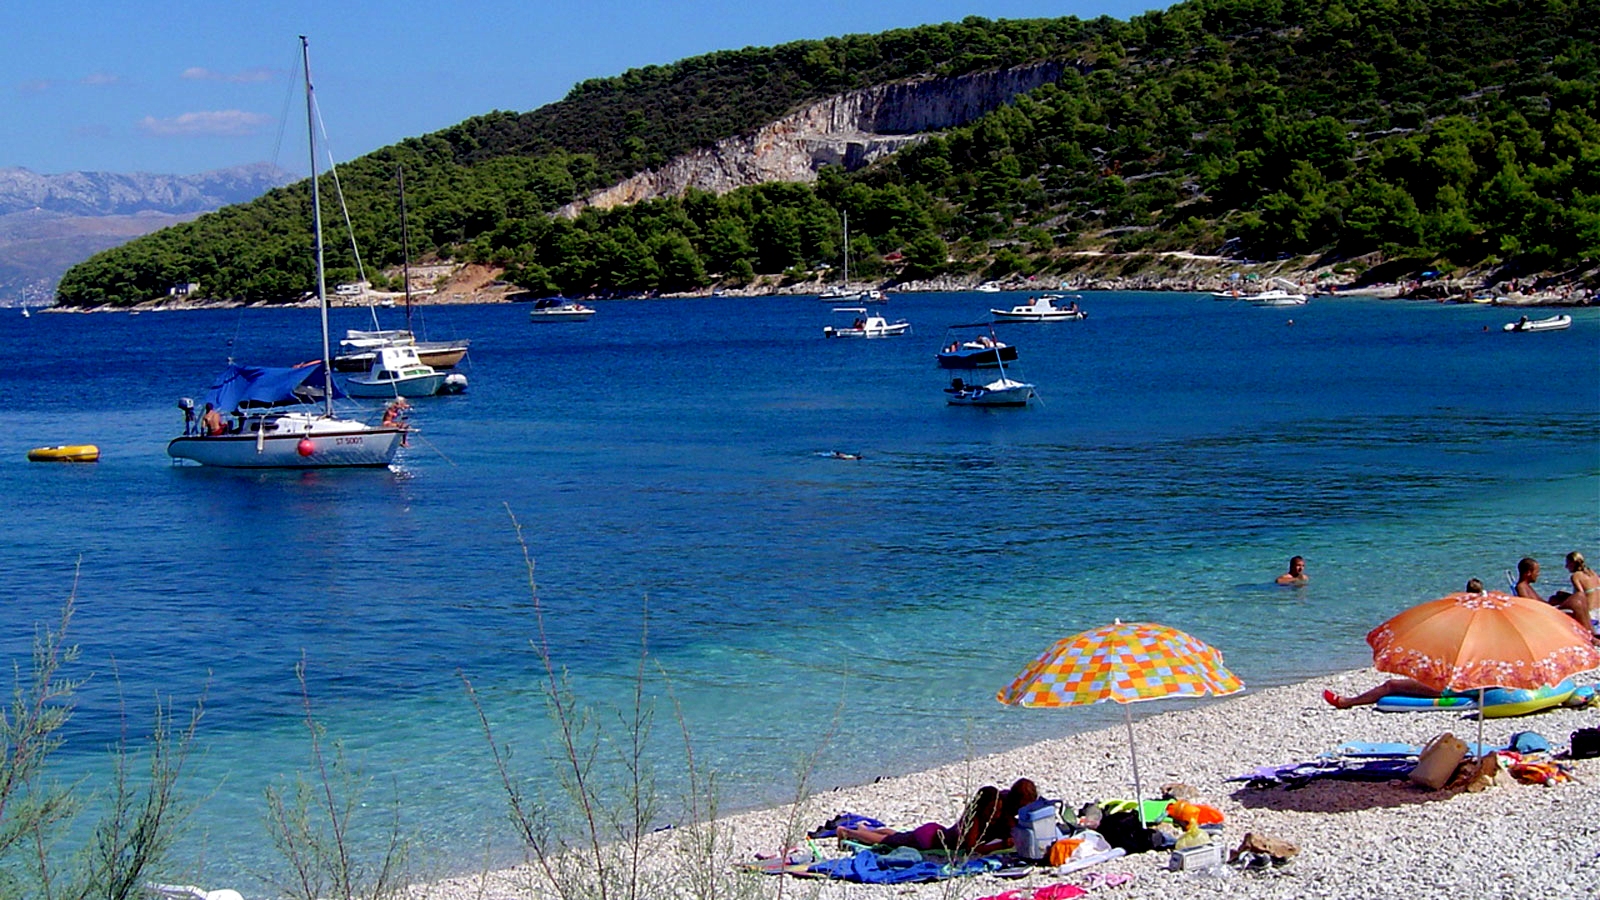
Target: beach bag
1586, 743
1438, 761
1036, 829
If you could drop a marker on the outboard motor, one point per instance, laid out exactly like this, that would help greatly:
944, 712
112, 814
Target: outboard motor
187, 405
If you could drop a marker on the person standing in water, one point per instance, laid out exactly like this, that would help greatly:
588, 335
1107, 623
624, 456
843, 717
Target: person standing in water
1297, 572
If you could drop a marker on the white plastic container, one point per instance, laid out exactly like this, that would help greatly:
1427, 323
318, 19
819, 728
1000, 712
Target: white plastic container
1036, 829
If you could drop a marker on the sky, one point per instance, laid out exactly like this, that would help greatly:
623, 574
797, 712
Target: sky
180, 87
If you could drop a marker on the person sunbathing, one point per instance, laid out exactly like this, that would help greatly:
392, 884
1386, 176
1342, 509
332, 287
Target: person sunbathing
1404, 687
985, 825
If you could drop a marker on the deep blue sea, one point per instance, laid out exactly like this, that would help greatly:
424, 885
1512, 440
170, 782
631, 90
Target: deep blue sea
667, 464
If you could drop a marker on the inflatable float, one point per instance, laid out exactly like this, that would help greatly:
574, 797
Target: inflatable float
65, 453
1498, 703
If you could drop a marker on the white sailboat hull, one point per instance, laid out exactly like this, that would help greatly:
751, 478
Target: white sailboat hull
294, 441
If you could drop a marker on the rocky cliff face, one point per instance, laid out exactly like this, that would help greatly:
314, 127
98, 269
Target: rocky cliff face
113, 194
851, 130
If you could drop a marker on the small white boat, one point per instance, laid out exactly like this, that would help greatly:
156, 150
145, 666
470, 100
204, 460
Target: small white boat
396, 372
1003, 391
1277, 297
559, 309
1553, 323
988, 287
970, 387
362, 349
865, 325
872, 295
1041, 309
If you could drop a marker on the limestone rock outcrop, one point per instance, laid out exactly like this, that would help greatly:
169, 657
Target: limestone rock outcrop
851, 129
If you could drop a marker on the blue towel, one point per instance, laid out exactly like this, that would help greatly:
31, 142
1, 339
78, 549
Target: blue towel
868, 867
843, 820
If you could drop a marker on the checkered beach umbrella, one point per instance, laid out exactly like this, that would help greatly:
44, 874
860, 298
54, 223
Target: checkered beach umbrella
1126, 662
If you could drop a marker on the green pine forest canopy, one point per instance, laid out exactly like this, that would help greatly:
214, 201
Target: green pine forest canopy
1461, 131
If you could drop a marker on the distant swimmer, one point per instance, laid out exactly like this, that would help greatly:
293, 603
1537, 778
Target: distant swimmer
840, 454
1297, 572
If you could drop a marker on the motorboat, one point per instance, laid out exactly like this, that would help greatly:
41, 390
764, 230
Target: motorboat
276, 422
865, 325
1277, 297
361, 350
964, 360
1003, 391
396, 372
873, 295
559, 309
1043, 308
1553, 323
988, 287
982, 352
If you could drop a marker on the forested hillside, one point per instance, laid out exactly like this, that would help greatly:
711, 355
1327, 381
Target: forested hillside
1465, 132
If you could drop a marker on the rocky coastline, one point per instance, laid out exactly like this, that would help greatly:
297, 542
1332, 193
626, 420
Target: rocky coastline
1179, 272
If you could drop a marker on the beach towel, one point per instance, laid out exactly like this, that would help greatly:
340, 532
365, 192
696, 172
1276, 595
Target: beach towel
1521, 742
902, 866
843, 820
1302, 773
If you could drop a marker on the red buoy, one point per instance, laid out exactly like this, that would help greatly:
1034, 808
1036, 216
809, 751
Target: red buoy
305, 447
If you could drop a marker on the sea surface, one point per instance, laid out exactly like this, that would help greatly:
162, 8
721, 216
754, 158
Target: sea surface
667, 467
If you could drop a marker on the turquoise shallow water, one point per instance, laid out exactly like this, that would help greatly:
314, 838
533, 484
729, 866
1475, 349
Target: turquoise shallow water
668, 456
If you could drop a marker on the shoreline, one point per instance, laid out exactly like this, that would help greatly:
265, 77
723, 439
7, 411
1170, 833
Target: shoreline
1376, 839
1518, 300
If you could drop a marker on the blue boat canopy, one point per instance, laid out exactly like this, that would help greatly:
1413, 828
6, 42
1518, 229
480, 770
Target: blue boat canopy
256, 386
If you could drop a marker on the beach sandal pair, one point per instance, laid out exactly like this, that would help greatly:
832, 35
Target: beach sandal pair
1107, 879
1061, 891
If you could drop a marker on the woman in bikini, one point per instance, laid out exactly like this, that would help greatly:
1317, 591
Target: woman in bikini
984, 826
1585, 596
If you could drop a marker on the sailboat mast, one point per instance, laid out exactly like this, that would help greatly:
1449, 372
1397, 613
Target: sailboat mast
405, 243
316, 230
847, 250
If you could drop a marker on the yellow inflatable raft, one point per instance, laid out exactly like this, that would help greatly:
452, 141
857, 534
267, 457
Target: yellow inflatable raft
65, 453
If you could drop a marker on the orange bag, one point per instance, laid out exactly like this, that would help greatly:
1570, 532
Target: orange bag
1061, 850
1183, 812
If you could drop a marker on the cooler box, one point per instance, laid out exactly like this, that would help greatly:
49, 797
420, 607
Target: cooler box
1036, 829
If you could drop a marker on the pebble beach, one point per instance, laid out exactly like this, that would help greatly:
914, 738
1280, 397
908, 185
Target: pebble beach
1356, 839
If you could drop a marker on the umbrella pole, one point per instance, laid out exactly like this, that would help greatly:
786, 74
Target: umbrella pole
1480, 754
1138, 795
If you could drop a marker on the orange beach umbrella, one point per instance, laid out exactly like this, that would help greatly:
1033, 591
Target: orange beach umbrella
1126, 662
1464, 642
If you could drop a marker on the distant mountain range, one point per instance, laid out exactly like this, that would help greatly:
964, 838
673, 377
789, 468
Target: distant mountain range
48, 223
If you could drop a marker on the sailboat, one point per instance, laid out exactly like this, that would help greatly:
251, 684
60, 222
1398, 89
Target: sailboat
275, 424
362, 347
841, 291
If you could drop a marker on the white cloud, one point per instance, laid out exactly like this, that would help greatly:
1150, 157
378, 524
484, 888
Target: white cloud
99, 79
243, 76
218, 123
36, 86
